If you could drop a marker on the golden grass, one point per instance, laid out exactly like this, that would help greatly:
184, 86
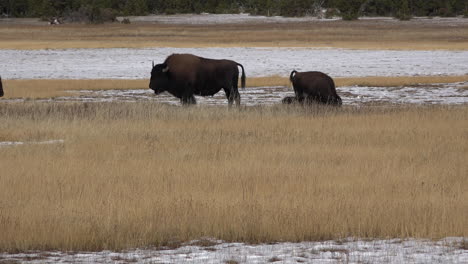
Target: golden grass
131, 175
399, 81
43, 88
379, 81
364, 34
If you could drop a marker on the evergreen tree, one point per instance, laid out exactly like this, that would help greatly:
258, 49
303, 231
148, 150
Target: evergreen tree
404, 11
47, 9
349, 8
448, 9
136, 7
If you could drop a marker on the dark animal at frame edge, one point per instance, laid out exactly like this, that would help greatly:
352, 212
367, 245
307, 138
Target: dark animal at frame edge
313, 87
1, 87
186, 75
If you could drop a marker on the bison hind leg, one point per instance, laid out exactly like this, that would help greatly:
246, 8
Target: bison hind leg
236, 97
232, 95
333, 100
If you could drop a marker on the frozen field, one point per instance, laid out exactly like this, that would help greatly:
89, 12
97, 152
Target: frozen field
351, 95
136, 63
212, 19
449, 250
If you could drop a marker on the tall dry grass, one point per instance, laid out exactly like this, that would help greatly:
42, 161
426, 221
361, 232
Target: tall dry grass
48, 88
133, 175
379, 81
363, 34
43, 88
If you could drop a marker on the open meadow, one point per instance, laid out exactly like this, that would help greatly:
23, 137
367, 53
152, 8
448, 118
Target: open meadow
238, 31
96, 168
131, 175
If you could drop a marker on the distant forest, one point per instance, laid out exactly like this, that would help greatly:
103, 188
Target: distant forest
103, 10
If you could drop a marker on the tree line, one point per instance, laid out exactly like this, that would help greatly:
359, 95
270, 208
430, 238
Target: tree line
97, 10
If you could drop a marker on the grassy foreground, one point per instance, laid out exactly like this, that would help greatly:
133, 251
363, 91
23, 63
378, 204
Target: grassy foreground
43, 88
132, 175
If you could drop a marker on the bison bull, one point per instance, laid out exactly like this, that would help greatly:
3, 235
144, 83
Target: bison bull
1, 87
313, 87
186, 75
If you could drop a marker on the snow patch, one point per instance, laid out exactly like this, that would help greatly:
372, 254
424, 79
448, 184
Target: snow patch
351, 95
448, 250
136, 63
214, 19
244, 18
15, 143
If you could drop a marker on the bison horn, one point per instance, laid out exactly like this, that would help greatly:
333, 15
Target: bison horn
153, 64
165, 69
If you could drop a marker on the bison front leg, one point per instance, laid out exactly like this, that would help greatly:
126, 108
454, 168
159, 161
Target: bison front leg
333, 100
187, 97
188, 100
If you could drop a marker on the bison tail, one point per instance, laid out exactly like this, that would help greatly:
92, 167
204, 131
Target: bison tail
243, 76
291, 77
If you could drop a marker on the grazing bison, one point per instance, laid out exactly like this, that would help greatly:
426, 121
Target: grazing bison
1, 87
186, 75
313, 87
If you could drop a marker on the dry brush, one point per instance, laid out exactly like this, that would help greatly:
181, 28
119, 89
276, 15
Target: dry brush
132, 175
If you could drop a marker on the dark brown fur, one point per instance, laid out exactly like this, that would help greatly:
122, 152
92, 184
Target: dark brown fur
1, 87
186, 75
314, 87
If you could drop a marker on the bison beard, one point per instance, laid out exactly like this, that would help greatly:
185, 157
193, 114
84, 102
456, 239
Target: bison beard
186, 75
312, 87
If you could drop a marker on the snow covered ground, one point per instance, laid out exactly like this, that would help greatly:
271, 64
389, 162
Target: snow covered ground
126, 63
136, 64
449, 250
213, 19
351, 95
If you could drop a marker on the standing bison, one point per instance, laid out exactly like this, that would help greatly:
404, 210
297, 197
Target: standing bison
313, 87
1, 87
186, 75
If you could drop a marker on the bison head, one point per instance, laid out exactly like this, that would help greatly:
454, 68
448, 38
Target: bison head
290, 100
159, 81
